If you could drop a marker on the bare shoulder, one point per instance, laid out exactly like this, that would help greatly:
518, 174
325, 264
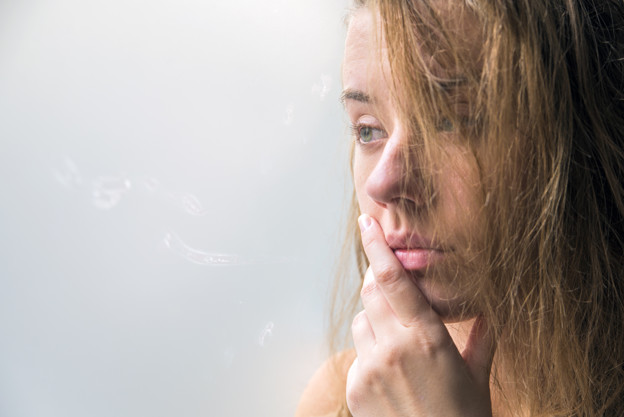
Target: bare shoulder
325, 393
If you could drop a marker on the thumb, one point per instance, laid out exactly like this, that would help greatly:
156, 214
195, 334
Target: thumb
479, 351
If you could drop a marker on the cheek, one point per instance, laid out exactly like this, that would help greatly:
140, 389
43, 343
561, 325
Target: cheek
461, 191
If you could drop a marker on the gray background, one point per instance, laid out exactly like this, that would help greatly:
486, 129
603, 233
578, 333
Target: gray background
172, 179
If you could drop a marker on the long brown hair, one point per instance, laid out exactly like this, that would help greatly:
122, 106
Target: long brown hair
546, 125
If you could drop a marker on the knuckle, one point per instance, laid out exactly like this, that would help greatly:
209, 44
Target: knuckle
371, 373
355, 398
357, 391
393, 355
358, 320
385, 274
368, 289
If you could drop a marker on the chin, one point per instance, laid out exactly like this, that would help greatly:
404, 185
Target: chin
451, 303
451, 312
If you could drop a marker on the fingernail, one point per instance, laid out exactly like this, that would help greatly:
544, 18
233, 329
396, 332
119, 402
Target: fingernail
365, 222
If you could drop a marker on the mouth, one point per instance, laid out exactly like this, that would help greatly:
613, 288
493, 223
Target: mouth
418, 259
416, 253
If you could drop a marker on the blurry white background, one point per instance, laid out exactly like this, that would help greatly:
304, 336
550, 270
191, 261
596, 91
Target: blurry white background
172, 177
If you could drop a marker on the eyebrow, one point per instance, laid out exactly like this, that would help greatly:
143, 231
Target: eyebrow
360, 96
355, 95
449, 84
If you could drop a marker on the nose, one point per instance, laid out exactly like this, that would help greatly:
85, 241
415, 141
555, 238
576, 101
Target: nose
396, 176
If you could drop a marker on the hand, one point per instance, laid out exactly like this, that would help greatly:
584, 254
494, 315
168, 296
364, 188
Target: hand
407, 364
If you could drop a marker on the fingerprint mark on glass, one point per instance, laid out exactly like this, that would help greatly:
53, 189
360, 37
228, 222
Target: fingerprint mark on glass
289, 115
266, 334
323, 87
108, 191
151, 184
189, 203
192, 205
173, 242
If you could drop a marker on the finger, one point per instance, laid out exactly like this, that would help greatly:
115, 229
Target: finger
363, 335
379, 314
479, 351
403, 296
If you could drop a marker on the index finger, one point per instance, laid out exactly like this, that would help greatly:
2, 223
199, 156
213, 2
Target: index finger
404, 297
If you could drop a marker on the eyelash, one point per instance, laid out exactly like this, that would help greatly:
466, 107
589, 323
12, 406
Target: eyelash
445, 125
356, 129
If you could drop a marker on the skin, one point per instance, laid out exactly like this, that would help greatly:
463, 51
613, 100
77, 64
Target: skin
408, 361
453, 219
415, 355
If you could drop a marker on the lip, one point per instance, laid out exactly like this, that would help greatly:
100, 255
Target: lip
415, 252
418, 259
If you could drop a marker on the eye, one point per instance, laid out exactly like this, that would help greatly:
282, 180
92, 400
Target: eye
445, 125
366, 134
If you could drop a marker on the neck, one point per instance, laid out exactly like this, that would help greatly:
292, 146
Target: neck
459, 333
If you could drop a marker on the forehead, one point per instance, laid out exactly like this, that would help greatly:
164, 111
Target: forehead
364, 57
365, 41
359, 37
360, 32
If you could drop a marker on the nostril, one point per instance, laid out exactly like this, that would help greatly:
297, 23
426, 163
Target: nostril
412, 207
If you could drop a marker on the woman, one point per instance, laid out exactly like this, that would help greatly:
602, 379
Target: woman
488, 168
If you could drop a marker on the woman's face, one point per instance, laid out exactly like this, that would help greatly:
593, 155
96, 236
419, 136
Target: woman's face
428, 244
